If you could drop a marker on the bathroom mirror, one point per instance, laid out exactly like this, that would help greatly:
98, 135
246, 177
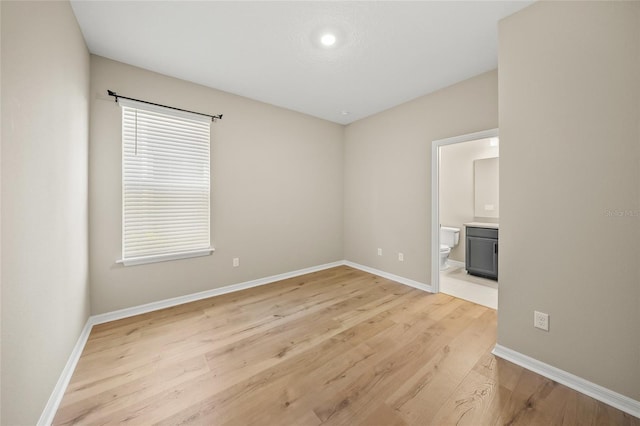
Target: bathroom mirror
485, 173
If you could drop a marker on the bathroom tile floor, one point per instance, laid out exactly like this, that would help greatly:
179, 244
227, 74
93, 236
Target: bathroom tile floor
455, 281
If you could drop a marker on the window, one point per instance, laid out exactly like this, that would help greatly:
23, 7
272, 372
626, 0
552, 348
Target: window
165, 184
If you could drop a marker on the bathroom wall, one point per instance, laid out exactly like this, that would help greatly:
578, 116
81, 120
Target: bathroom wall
456, 189
486, 193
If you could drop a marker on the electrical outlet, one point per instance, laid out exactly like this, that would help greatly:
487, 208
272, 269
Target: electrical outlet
541, 320
379, 252
236, 262
401, 257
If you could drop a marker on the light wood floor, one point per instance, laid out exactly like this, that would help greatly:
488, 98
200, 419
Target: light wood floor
336, 347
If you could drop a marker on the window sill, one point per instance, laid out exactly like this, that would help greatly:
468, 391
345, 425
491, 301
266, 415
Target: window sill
165, 257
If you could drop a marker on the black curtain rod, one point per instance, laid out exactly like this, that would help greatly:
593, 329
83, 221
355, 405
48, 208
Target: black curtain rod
115, 95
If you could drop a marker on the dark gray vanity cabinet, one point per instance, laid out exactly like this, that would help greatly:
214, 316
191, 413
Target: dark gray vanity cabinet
482, 252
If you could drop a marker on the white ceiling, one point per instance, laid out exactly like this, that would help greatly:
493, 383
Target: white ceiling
387, 52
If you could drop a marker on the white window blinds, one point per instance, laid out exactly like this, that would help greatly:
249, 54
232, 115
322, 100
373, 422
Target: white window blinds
165, 184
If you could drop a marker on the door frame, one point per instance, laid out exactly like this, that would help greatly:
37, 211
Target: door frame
435, 196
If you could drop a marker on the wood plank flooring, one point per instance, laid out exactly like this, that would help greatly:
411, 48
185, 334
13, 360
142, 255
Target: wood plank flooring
336, 347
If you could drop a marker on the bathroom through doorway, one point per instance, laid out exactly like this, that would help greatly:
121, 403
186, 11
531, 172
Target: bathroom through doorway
465, 217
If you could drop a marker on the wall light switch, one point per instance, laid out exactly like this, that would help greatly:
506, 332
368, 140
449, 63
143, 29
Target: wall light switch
379, 252
236, 262
401, 257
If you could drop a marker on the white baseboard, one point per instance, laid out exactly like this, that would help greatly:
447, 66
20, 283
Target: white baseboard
456, 263
397, 278
167, 303
49, 412
614, 399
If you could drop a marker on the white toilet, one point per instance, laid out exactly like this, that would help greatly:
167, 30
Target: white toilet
449, 238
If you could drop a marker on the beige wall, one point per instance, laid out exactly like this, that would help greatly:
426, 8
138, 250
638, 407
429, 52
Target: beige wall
456, 191
388, 173
569, 157
45, 303
276, 190
0, 218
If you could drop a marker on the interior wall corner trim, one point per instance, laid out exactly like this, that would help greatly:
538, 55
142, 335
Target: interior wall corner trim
602, 394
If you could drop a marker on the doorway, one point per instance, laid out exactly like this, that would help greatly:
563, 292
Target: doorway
457, 165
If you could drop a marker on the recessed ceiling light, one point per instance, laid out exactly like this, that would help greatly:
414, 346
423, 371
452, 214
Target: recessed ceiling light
328, 39
344, 112
493, 142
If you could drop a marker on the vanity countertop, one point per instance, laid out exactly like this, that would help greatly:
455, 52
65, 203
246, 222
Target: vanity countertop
483, 225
